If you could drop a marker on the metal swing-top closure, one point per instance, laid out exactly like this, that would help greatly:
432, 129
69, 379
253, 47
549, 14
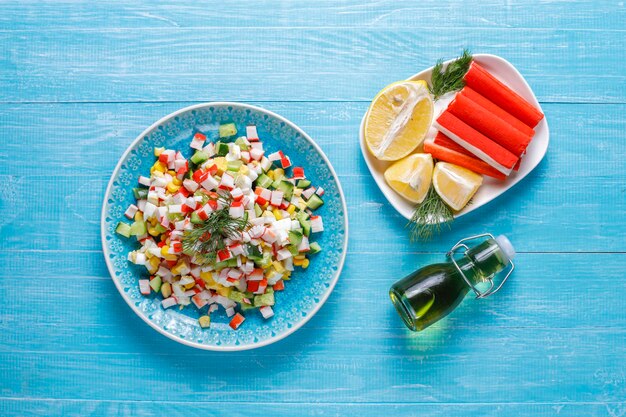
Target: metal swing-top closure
506, 248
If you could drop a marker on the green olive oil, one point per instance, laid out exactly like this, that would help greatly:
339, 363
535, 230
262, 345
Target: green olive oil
432, 292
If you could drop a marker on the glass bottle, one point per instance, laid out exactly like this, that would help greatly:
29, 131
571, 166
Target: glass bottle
432, 292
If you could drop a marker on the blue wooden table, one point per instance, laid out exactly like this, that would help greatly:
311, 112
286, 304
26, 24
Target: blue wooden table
79, 80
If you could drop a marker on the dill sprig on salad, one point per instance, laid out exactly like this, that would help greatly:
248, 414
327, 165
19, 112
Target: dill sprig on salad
225, 227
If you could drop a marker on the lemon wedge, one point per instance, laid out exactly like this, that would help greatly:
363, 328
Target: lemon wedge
410, 177
455, 185
398, 119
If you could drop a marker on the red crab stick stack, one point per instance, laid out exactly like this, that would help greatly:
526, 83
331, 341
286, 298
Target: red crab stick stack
445, 149
490, 125
497, 111
485, 84
478, 144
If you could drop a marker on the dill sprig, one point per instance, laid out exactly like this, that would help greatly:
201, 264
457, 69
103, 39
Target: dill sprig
429, 217
206, 238
451, 79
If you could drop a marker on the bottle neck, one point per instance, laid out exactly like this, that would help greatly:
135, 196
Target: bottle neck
482, 261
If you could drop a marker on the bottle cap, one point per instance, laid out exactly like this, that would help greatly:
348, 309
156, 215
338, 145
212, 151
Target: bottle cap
505, 245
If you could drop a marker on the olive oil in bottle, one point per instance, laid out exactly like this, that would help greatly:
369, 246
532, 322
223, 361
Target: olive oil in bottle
432, 292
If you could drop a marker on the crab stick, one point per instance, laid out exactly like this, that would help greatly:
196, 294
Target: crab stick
488, 105
475, 142
445, 149
478, 79
489, 125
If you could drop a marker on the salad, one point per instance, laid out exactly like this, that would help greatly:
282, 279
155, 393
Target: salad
225, 227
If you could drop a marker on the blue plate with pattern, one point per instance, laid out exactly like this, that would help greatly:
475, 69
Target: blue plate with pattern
304, 294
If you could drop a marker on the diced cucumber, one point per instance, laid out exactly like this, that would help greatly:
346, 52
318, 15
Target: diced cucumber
264, 300
314, 247
140, 193
241, 143
258, 210
227, 130
155, 283
199, 157
123, 229
295, 237
221, 149
246, 307
195, 219
236, 296
303, 183
287, 188
293, 249
306, 224
138, 228
266, 261
221, 265
232, 262
159, 228
314, 202
234, 165
263, 181
277, 182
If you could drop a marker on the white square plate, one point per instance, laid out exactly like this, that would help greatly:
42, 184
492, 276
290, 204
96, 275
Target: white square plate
491, 188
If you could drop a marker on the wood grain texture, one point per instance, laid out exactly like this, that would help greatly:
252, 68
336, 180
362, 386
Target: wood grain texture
174, 64
79, 80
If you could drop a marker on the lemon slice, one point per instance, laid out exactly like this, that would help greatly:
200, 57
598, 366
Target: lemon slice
410, 177
398, 119
454, 184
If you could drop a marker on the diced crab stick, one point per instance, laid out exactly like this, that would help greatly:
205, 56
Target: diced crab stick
224, 255
167, 156
489, 124
198, 141
169, 302
236, 321
227, 182
477, 143
317, 225
266, 312
144, 286
283, 254
230, 311
144, 181
449, 151
279, 286
256, 153
236, 210
494, 90
276, 198
298, 173
255, 275
308, 192
320, 191
251, 133
496, 110
209, 183
130, 211
262, 287
198, 301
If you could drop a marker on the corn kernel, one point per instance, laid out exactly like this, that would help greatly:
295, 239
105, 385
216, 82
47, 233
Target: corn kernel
152, 231
244, 170
205, 321
298, 262
172, 188
277, 214
157, 174
291, 209
170, 257
224, 291
172, 173
166, 289
305, 264
158, 166
279, 172
154, 261
270, 174
176, 181
138, 216
221, 163
278, 266
190, 285
158, 151
164, 250
300, 257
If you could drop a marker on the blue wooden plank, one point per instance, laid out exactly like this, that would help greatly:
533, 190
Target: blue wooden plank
425, 14
37, 408
295, 64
